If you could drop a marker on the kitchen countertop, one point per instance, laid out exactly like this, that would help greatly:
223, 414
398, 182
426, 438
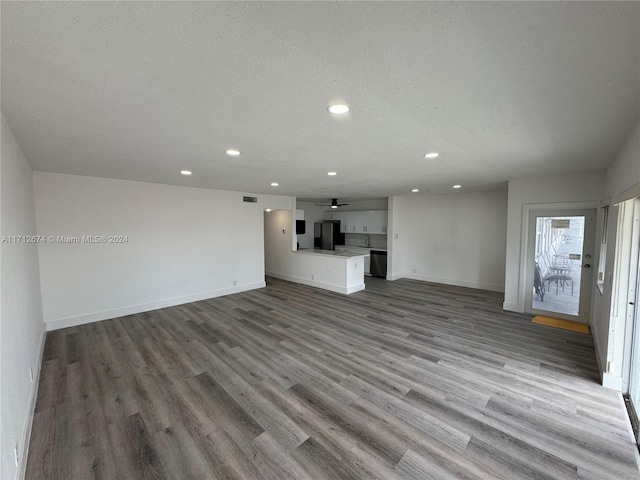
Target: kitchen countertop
361, 246
330, 253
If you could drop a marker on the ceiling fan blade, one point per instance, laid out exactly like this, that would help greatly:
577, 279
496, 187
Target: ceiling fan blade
334, 203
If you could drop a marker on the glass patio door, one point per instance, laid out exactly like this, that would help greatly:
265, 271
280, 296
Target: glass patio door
634, 376
630, 231
561, 261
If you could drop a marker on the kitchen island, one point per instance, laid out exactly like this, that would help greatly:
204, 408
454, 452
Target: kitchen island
341, 272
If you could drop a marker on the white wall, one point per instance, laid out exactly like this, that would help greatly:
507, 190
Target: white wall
21, 326
364, 205
277, 245
183, 244
624, 171
456, 239
579, 190
609, 330
394, 252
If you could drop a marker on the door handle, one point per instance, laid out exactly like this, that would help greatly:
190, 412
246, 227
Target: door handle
586, 265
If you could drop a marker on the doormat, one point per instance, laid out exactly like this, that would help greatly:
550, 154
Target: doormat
563, 324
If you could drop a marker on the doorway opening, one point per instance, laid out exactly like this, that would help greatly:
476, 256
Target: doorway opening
625, 298
560, 258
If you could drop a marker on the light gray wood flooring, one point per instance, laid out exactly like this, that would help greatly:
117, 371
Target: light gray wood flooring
405, 380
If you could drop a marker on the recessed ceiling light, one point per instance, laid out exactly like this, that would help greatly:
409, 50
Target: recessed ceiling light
274, 184
332, 174
431, 155
233, 152
185, 172
457, 186
339, 108
415, 190
267, 210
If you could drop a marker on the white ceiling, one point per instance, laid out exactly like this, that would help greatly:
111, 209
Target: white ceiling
142, 90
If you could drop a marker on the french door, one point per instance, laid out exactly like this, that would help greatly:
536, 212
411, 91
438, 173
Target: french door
634, 375
560, 263
631, 297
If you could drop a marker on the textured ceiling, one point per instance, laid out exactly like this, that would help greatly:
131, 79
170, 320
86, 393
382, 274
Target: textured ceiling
142, 90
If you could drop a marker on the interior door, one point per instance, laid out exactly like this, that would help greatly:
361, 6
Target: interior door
560, 263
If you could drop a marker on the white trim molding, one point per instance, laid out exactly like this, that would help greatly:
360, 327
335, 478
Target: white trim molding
25, 438
146, 307
314, 283
452, 281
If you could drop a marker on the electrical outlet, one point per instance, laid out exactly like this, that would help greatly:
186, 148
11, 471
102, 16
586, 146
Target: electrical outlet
31, 374
313, 277
355, 265
414, 270
235, 283
15, 454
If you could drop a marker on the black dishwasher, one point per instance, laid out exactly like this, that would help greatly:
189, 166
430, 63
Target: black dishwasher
378, 265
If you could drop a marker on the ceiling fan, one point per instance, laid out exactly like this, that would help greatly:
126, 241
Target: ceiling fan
334, 204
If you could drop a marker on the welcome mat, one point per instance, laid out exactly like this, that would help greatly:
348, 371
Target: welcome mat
563, 324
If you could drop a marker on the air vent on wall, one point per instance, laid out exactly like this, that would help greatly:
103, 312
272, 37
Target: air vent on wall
250, 199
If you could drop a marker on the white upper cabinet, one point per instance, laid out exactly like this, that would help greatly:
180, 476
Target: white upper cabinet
384, 216
374, 221
344, 216
362, 222
348, 222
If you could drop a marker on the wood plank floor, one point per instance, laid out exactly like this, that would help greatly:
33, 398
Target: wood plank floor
405, 380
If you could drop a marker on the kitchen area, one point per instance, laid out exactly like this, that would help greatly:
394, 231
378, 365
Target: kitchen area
357, 233
332, 248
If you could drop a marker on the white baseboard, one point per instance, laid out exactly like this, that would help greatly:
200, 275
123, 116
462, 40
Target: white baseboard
512, 307
130, 310
25, 438
600, 366
314, 283
395, 276
456, 282
612, 382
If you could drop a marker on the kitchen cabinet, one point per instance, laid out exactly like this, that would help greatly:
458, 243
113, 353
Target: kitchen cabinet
355, 222
377, 222
349, 222
367, 222
343, 222
374, 222
382, 225
362, 222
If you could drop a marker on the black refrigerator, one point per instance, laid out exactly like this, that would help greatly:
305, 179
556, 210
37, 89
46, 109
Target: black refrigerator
326, 235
